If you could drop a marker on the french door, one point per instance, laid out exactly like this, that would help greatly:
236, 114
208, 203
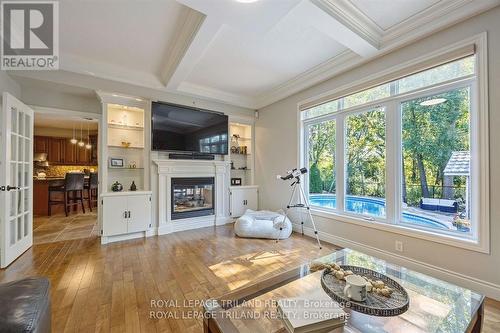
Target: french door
16, 179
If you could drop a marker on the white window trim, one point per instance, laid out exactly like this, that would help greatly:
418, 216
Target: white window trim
479, 145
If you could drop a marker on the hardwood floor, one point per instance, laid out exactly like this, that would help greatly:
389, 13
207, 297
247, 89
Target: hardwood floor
110, 288
59, 227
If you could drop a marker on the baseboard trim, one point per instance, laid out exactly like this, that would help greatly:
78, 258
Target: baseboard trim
489, 289
124, 237
190, 224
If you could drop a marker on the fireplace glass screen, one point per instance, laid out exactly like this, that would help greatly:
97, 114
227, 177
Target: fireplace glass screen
192, 197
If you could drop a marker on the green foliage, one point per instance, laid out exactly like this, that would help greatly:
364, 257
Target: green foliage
322, 157
366, 154
315, 183
430, 134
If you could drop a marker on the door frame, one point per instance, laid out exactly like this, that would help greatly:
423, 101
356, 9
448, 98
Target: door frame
81, 114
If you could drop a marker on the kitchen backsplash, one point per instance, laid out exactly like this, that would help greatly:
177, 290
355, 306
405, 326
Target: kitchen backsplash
61, 170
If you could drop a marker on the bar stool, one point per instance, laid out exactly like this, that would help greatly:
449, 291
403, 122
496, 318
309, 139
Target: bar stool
72, 189
91, 187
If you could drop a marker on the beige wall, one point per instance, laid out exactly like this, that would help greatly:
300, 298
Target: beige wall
9, 85
59, 100
277, 151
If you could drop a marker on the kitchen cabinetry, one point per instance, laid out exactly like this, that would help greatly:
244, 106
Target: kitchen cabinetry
56, 150
125, 213
41, 144
61, 151
243, 198
70, 152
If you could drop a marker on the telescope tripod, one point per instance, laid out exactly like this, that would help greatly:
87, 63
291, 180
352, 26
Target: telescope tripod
302, 204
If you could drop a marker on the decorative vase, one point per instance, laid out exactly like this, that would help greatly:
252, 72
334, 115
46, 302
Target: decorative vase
116, 187
133, 187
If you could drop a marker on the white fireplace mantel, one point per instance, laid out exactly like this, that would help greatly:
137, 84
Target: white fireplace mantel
168, 169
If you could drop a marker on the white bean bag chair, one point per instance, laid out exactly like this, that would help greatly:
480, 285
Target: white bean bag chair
263, 224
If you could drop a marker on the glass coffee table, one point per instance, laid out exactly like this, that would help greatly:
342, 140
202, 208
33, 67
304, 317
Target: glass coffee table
435, 305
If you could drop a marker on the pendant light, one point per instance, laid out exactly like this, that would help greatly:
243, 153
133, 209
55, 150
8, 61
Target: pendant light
88, 145
73, 139
81, 143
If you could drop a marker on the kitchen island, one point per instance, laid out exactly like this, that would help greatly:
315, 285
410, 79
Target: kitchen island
41, 195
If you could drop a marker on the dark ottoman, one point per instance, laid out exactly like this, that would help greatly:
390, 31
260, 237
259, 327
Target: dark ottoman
25, 305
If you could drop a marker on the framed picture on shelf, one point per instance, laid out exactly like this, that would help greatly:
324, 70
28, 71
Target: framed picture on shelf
116, 162
236, 181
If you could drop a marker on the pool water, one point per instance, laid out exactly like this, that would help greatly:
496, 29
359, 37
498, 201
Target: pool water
373, 207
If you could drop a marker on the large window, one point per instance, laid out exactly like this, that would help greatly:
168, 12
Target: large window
403, 156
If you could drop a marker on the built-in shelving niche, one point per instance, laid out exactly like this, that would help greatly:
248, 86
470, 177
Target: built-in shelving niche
241, 149
125, 140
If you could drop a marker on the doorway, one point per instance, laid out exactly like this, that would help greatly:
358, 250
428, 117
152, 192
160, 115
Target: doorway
65, 175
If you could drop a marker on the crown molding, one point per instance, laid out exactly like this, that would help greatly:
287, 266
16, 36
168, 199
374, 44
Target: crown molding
437, 17
355, 20
190, 23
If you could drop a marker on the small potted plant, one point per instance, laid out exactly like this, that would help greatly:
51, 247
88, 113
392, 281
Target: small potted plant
461, 224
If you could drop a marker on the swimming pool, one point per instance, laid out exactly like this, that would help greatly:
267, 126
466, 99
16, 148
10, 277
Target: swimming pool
373, 207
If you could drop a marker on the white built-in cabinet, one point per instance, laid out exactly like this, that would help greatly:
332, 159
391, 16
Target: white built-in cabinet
243, 198
125, 213
125, 158
243, 192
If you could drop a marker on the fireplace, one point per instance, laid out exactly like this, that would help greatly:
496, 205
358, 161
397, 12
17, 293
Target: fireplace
192, 197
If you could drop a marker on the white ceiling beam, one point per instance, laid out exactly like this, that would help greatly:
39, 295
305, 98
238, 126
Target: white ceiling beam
197, 48
346, 24
189, 24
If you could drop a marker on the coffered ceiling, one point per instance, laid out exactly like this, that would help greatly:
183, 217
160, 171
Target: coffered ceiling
246, 54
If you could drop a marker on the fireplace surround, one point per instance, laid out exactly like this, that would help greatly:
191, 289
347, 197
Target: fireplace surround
192, 197
168, 170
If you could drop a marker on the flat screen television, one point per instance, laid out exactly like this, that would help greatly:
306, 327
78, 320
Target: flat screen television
178, 128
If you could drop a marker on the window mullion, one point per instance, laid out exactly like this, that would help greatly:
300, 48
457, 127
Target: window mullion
392, 202
340, 162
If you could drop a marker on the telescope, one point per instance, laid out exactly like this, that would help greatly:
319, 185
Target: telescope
303, 201
294, 173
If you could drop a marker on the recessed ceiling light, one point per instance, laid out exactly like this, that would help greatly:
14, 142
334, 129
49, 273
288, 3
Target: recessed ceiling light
434, 101
247, 1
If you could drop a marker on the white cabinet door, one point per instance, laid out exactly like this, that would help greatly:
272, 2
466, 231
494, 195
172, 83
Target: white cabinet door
242, 199
237, 202
114, 219
251, 199
139, 213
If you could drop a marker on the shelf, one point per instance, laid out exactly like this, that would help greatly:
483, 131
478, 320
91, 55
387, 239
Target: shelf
241, 169
237, 154
128, 169
130, 147
126, 127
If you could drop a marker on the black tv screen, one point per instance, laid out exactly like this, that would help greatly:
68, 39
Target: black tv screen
185, 129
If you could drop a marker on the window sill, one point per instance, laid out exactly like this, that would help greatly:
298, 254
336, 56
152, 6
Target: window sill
467, 244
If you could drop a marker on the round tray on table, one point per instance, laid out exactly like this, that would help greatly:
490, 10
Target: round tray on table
375, 304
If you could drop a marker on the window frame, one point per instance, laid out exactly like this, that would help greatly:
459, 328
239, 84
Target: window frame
478, 239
